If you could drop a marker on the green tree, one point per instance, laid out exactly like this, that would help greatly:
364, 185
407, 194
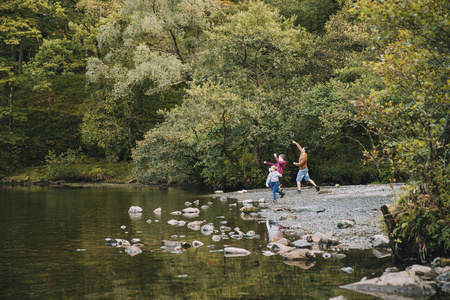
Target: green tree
309, 14
55, 57
411, 116
207, 137
146, 52
249, 71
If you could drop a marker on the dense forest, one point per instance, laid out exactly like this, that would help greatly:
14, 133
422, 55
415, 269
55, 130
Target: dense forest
203, 91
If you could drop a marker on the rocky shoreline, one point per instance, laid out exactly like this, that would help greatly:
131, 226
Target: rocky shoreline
348, 217
327, 211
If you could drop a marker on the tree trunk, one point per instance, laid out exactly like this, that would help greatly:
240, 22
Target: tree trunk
11, 108
176, 46
444, 138
20, 58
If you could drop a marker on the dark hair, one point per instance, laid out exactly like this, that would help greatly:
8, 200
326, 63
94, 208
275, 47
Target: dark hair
306, 149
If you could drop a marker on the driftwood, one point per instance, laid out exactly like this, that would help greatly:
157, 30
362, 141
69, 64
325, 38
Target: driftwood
388, 218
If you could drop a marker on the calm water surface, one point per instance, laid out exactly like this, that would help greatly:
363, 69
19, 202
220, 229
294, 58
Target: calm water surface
53, 247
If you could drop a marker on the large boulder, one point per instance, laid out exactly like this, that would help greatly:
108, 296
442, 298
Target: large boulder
380, 241
394, 286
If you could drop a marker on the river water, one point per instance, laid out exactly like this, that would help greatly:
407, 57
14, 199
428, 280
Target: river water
54, 246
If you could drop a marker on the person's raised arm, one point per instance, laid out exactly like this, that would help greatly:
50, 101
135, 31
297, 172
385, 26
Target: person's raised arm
276, 158
296, 144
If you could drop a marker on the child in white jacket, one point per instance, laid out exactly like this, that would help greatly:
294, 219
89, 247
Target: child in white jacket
273, 182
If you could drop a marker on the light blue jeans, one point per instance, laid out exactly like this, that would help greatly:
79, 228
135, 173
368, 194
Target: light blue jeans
303, 175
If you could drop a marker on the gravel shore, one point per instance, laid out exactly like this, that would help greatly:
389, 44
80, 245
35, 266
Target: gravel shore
312, 211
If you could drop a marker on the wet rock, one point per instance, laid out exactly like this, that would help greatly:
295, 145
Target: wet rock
135, 240
194, 225
149, 221
380, 241
421, 270
207, 229
282, 208
328, 242
338, 298
316, 237
251, 235
157, 211
280, 248
176, 222
135, 210
242, 192
187, 203
400, 284
346, 224
219, 192
288, 216
263, 205
175, 244
298, 254
233, 252
437, 262
381, 253
176, 213
204, 207
197, 202
301, 244
172, 222
122, 243
133, 250
191, 210
249, 209
225, 228
217, 238
445, 277
268, 253
197, 244
348, 269
284, 241
338, 255
223, 198
446, 288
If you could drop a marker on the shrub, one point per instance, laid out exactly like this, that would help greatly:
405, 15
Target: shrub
62, 166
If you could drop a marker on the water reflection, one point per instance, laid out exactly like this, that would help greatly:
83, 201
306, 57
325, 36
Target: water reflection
42, 230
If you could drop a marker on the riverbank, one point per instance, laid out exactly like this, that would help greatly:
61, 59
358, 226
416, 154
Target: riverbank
311, 211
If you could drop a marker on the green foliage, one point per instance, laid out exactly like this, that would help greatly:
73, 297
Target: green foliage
410, 116
247, 73
62, 166
215, 138
309, 14
422, 231
72, 165
146, 53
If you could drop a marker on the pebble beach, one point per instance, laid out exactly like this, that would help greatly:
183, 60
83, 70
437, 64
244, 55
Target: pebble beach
325, 211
